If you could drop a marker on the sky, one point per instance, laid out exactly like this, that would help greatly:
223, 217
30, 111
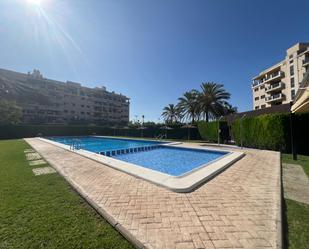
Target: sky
151, 50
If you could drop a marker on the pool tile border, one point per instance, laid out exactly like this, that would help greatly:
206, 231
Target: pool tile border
180, 184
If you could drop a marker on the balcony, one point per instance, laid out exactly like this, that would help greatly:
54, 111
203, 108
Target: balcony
274, 76
306, 62
274, 87
275, 98
256, 83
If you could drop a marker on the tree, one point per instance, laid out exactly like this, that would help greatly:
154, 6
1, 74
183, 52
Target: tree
229, 109
213, 99
189, 105
10, 113
171, 113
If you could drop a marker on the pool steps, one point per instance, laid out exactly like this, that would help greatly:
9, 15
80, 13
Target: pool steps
128, 151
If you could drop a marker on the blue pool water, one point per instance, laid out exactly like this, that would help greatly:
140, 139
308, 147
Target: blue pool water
172, 161
99, 144
169, 160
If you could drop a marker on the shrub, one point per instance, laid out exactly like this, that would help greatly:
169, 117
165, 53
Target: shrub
209, 131
22, 131
263, 132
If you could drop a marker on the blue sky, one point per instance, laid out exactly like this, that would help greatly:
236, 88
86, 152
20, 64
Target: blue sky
151, 51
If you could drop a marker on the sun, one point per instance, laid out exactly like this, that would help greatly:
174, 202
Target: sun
35, 2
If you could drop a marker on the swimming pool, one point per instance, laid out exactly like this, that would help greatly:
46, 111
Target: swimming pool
172, 161
104, 144
174, 166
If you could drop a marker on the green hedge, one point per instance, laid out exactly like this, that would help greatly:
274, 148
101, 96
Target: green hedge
263, 132
209, 131
270, 132
22, 131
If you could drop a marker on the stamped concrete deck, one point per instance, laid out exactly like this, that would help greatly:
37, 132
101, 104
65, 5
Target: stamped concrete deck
239, 208
295, 183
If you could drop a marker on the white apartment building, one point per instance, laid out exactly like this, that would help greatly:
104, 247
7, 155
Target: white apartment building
279, 83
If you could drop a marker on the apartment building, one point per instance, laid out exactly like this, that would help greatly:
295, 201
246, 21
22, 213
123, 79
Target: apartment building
279, 83
48, 101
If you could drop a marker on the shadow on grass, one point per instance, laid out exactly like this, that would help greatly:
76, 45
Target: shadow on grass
285, 226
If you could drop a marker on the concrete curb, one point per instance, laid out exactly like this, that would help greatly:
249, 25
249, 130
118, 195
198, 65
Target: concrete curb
110, 219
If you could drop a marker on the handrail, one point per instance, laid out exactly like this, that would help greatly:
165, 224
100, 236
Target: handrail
76, 145
160, 136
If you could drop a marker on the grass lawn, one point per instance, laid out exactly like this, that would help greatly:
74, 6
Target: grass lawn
301, 160
297, 217
43, 211
297, 214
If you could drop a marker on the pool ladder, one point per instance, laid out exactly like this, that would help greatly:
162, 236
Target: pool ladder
76, 145
160, 136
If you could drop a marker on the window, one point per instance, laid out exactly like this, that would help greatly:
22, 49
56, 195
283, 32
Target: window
292, 82
291, 61
256, 89
293, 94
257, 107
263, 97
262, 87
291, 56
263, 106
291, 70
256, 98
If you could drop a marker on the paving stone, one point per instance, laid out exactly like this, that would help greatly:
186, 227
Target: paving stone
43, 171
238, 208
37, 162
33, 156
29, 151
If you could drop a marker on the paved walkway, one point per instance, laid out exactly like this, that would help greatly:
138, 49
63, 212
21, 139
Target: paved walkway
296, 183
240, 208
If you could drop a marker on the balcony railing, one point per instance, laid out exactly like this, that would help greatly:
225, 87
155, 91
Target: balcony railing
273, 76
274, 97
256, 82
274, 87
306, 61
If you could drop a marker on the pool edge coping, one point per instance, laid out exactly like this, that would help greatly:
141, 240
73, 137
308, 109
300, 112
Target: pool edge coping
184, 184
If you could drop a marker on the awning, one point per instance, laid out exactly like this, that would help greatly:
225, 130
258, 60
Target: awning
301, 102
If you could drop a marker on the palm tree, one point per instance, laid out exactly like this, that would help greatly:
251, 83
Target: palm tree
189, 105
171, 113
213, 99
229, 109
